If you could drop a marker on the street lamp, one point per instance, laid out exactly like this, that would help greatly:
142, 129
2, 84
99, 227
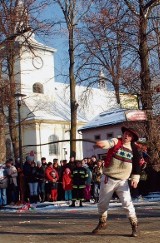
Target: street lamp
18, 98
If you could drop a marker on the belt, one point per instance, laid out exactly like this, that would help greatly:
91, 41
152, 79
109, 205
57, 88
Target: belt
113, 178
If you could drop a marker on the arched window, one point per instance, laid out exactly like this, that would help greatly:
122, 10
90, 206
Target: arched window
38, 88
53, 148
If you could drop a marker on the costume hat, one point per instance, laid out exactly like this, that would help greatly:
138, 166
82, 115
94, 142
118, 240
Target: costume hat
131, 130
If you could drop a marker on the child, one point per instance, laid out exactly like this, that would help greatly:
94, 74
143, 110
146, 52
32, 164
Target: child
54, 186
52, 177
67, 184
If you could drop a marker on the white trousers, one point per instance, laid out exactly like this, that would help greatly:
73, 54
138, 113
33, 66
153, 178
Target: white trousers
107, 188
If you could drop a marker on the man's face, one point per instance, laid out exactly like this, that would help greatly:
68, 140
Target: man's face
79, 164
8, 165
127, 137
72, 159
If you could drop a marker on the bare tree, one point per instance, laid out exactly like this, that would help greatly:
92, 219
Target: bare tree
141, 11
18, 20
73, 11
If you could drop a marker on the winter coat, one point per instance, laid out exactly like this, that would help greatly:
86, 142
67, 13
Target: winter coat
33, 177
97, 174
3, 178
79, 176
89, 177
12, 174
48, 174
41, 174
67, 181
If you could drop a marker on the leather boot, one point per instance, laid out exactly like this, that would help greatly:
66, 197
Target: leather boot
134, 225
73, 204
80, 203
102, 225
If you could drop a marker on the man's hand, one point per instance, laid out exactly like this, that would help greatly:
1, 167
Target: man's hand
100, 144
134, 184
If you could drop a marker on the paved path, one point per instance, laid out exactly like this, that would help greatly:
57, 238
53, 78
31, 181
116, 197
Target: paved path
75, 226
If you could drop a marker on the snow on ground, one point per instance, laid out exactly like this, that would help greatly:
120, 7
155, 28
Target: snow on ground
62, 206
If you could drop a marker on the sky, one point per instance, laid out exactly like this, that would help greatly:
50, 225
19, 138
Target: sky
58, 40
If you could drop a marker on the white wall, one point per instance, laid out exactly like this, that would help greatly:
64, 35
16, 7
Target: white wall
89, 149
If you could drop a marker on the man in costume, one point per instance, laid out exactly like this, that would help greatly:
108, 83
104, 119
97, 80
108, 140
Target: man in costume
121, 163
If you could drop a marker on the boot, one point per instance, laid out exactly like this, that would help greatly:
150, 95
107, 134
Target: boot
96, 200
102, 225
80, 203
73, 204
134, 225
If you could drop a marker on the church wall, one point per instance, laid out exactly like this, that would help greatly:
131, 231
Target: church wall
39, 134
37, 67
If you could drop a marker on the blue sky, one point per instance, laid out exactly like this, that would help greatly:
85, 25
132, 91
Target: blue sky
57, 40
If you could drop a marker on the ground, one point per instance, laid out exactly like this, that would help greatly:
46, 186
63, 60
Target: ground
74, 225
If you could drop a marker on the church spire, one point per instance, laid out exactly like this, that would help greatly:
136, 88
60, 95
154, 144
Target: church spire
22, 18
101, 81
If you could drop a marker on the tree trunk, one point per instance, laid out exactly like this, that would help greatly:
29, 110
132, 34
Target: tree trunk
146, 89
12, 108
73, 103
2, 138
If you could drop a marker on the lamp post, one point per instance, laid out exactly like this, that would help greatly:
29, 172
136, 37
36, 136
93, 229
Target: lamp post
18, 98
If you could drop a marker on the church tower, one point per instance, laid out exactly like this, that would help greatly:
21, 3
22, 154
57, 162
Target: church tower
35, 62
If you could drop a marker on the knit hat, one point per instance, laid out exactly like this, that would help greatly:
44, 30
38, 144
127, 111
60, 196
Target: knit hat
131, 130
39, 162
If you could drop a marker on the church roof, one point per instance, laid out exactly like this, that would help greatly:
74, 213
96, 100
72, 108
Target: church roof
90, 103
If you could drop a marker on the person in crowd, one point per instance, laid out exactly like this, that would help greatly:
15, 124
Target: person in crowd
143, 185
87, 189
122, 160
33, 183
12, 189
67, 184
20, 181
93, 162
41, 181
79, 176
3, 185
44, 166
52, 177
71, 164
26, 173
96, 178
57, 167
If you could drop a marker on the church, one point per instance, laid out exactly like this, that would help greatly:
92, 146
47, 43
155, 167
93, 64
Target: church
45, 109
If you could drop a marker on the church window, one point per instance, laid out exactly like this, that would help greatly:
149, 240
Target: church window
38, 88
53, 147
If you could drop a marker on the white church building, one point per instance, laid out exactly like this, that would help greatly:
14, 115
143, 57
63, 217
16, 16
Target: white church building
45, 110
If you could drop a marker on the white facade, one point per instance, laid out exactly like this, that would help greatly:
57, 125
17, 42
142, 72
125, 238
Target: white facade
46, 114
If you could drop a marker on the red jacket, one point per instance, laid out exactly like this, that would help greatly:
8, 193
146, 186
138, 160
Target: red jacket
67, 182
48, 175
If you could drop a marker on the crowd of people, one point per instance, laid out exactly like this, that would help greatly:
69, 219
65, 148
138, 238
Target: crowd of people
50, 181
57, 181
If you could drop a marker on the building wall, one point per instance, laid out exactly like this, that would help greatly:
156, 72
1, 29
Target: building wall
38, 134
31, 73
104, 133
